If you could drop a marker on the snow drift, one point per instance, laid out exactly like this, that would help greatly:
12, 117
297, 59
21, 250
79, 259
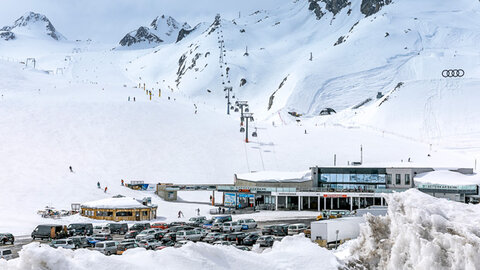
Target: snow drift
419, 232
292, 253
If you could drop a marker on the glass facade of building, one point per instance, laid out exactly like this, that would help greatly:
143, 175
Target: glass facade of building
358, 179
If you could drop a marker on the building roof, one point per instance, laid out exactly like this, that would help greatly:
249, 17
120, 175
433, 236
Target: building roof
115, 203
275, 176
447, 177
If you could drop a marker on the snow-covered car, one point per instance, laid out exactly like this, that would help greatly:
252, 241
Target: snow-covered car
101, 229
63, 243
192, 235
6, 254
148, 234
247, 223
296, 228
231, 226
107, 247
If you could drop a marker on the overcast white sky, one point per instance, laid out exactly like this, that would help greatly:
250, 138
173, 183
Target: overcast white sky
110, 20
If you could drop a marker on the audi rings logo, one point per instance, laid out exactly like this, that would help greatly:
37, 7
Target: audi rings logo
453, 73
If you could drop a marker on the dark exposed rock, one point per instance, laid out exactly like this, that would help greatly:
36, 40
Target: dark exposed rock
370, 7
243, 81
315, 7
336, 6
339, 41
142, 34
270, 100
7, 35
185, 32
387, 34
214, 25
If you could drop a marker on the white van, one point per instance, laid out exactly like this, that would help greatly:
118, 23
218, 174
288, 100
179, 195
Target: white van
247, 223
107, 247
6, 254
101, 229
231, 226
192, 235
296, 228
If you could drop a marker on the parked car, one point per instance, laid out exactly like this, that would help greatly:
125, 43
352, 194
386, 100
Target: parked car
149, 234
92, 241
131, 234
148, 244
140, 226
179, 228
250, 239
118, 228
223, 237
247, 223
211, 237
265, 241
267, 230
122, 247
101, 229
296, 228
244, 248
107, 247
196, 221
216, 227
222, 219
237, 237
102, 237
171, 236
231, 226
6, 254
222, 243
177, 223
7, 238
307, 232
80, 229
181, 243
160, 225
207, 224
280, 230
128, 241
80, 241
192, 235
63, 243
49, 231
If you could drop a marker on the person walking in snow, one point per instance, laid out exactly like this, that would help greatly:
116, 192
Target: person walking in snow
105, 191
122, 182
98, 184
198, 211
133, 99
180, 214
71, 169
128, 98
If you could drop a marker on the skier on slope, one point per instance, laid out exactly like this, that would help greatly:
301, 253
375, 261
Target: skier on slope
105, 191
98, 184
71, 169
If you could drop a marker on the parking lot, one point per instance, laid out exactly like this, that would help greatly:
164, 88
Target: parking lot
20, 241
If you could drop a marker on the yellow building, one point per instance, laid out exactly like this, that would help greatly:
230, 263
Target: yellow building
118, 209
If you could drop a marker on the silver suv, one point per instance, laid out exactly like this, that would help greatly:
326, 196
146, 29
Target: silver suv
107, 247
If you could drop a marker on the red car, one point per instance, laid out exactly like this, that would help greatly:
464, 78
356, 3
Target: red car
160, 225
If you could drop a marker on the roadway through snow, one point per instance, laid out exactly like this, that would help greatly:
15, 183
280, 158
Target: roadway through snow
22, 240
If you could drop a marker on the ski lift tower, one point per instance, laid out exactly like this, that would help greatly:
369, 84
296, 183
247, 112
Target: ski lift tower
228, 89
243, 105
246, 117
32, 60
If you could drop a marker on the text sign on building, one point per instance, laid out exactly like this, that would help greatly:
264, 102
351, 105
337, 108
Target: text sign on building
335, 195
447, 187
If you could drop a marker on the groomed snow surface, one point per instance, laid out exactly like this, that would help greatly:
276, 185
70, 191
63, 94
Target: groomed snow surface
276, 176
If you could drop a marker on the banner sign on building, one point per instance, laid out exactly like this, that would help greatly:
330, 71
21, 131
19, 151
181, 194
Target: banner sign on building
230, 200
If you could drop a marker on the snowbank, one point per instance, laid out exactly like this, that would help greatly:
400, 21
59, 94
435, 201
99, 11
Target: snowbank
123, 202
420, 232
446, 177
276, 176
292, 253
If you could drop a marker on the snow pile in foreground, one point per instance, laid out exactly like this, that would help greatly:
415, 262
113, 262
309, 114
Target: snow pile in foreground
419, 232
292, 253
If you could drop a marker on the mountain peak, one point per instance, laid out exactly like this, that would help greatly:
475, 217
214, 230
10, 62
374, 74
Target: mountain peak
32, 22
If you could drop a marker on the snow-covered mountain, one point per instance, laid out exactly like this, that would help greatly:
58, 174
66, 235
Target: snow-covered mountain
162, 30
31, 24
